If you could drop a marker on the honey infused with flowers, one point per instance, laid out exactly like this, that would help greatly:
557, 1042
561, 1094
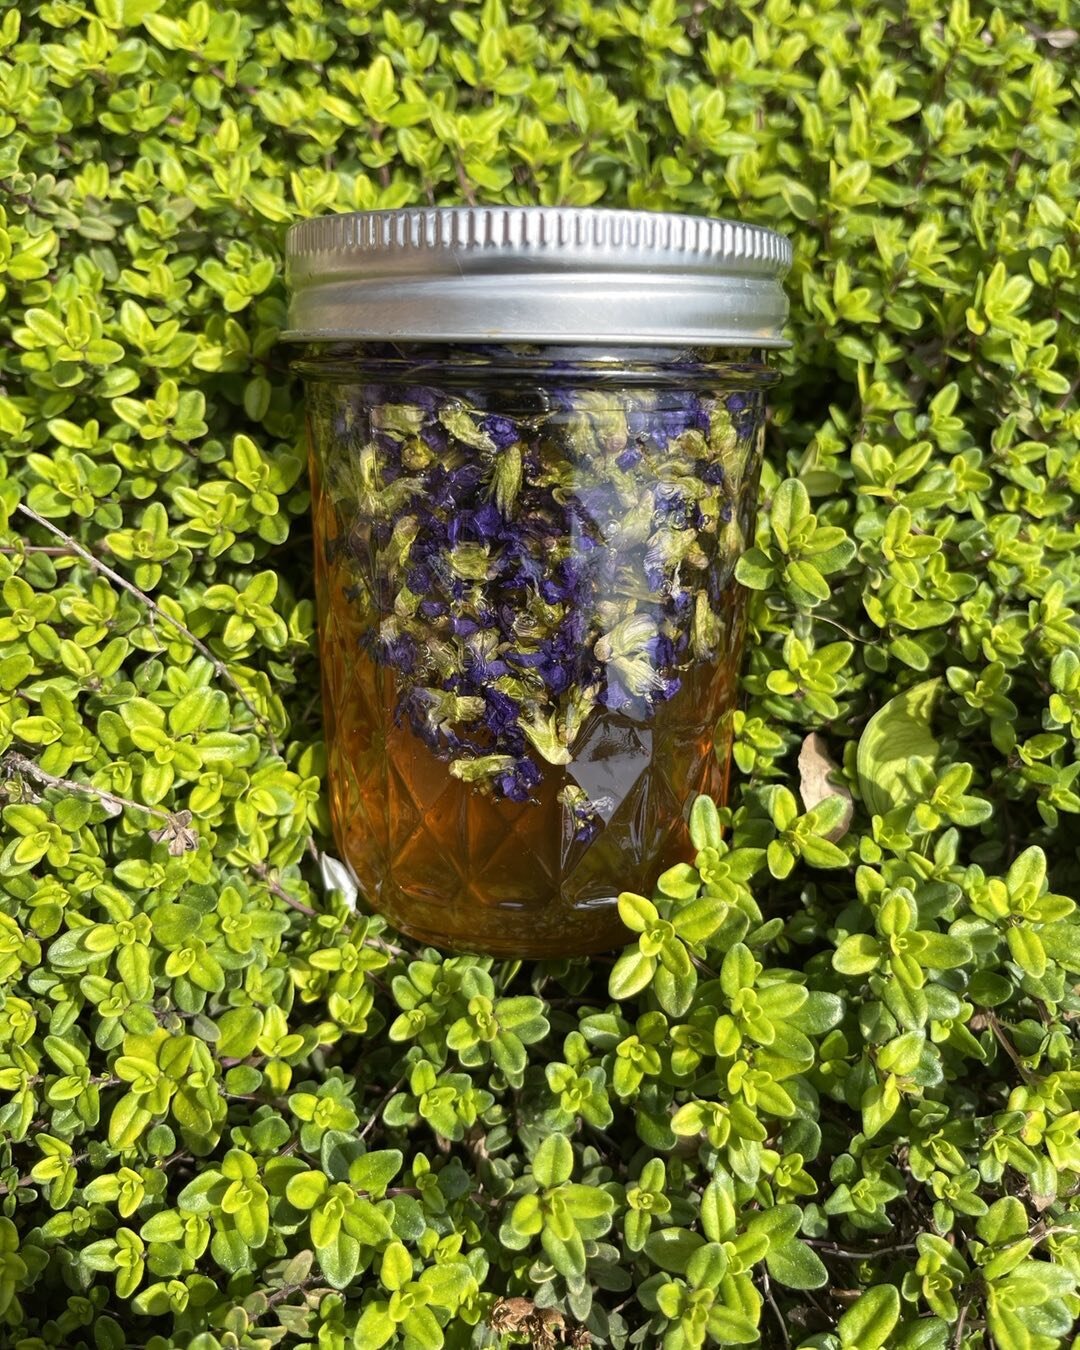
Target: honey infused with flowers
535, 436
530, 626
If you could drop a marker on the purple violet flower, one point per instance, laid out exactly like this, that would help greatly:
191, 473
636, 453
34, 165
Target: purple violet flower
629, 458
501, 430
518, 783
540, 597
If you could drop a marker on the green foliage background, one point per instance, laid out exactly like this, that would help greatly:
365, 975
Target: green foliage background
832, 1096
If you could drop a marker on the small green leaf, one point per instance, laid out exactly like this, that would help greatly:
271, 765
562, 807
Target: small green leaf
375, 1327
373, 1172
1027, 875
630, 974
705, 828
553, 1161
636, 912
340, 1260
857, 955
672, 1248
306, 1189
796, 1265
128, 1121
1027, 950
897, 732
396, 1267
869, 1322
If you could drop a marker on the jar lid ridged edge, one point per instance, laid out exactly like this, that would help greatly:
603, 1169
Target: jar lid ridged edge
529, 274
707, 241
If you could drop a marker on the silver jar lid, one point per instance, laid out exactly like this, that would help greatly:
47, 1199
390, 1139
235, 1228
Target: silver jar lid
577, 275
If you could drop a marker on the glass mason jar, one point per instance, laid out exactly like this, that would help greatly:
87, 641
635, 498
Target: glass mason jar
535, 438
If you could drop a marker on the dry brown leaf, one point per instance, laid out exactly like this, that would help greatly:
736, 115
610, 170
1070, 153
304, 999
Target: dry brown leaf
545, 1327
1058, 38
178, 832
816, 772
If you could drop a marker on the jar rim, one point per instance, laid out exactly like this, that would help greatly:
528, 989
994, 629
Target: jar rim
609, 366
581, 275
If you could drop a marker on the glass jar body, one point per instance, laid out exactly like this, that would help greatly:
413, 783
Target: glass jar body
530, 630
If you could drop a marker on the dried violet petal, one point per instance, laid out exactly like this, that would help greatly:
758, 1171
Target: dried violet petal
521, 575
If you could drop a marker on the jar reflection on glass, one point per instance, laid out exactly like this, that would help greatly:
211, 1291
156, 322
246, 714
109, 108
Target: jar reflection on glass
530, 629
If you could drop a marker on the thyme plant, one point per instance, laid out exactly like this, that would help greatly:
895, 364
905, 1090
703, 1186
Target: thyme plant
829, 1096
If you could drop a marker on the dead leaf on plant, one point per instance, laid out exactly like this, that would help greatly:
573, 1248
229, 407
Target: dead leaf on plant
545, 1327
179, 833
816, 773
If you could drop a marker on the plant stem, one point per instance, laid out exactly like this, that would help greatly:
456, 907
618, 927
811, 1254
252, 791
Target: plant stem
1010, 1049
463, 182
831, 1249
767, 1285
958, 1339
377, 1108
373, 940
14, 762
276, 888
48, 549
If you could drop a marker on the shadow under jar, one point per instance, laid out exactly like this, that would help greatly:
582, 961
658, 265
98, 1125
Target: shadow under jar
526, 531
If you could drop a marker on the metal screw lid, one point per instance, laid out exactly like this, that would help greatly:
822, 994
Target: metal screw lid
536, 274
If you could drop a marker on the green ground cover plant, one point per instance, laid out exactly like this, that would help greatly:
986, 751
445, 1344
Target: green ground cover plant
830, 1096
